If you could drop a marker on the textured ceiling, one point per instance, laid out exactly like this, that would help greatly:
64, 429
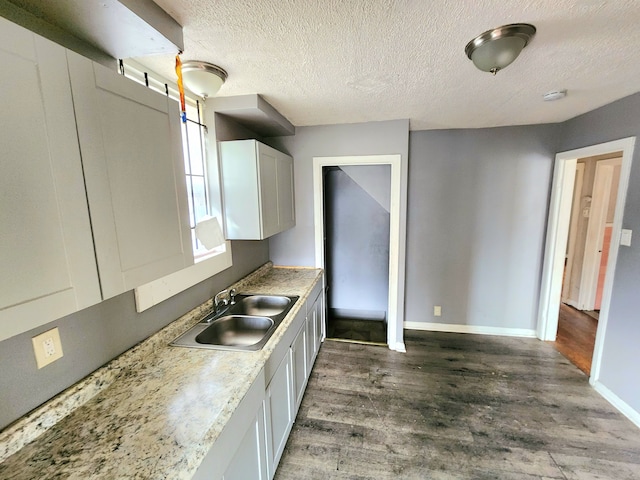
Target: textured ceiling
345, 61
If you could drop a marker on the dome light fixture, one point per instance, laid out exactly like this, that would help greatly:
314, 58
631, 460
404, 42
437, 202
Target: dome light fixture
202, 78
495, 49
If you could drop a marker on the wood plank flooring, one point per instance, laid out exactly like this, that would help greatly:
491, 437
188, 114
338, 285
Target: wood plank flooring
576, 336
456, 406
358, 330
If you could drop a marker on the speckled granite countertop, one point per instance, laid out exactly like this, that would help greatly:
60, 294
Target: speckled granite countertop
152, 413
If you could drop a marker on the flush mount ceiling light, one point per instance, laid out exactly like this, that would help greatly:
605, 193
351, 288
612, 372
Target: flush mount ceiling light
202, 78
495, 49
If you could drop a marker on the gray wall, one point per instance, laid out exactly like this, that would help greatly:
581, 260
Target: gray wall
621, 356
476, 224
374, 179
94, 336
357, 248
297, 246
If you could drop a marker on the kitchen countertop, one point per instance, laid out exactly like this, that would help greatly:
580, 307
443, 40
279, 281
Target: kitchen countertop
155, 411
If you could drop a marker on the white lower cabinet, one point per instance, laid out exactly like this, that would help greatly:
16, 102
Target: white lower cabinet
314, 327
240, 452
299, 356
310, 339
279, 412
250, 460
253, 441
320, 325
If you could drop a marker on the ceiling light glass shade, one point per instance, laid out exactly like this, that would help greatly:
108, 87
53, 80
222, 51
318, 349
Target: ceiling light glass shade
496, 49
204, 79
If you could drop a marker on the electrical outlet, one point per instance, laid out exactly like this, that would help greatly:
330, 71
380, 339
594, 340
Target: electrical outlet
47, 347
437, 310
625, 237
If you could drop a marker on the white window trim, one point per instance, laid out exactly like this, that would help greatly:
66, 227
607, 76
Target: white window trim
166, 287
159, 290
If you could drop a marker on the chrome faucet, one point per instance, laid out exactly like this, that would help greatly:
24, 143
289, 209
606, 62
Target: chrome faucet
221, 299
224, 299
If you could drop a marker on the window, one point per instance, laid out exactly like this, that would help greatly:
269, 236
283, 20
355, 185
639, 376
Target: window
201, 173
196, 172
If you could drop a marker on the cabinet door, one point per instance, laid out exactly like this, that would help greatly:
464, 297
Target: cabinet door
268, 168
279, 410
286, 210
311, 339
320, 326
47, 260
299, 355
240, 189
258, 190
131, 152
314, 330
249, 461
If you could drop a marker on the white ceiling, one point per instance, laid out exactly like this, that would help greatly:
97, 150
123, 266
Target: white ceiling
345, 61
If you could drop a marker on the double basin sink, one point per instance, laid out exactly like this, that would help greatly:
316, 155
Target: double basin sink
245, 325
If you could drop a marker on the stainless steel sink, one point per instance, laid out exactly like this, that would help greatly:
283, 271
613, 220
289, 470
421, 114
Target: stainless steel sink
246, 325
235, 330
262, 305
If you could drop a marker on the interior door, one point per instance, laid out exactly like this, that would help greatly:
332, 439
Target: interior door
602, 188
569, 288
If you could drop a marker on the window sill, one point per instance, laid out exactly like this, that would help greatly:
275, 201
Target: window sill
159, 290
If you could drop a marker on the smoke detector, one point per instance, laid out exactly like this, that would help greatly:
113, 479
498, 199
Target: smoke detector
554, 95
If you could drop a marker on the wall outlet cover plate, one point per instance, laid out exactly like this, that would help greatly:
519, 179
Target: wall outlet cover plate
47, 347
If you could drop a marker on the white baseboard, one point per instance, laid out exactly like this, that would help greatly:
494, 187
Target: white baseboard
571, 303
618, 403
476, 329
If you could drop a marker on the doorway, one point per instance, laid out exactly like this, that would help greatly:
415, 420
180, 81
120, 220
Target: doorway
591, 223
357, 220
566, 172
394, 285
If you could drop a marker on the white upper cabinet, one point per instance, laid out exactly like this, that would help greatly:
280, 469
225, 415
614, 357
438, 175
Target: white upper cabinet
46, 255
257, 190
91, 170
131, 152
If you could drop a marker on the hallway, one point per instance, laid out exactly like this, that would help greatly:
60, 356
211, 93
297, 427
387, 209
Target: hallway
456, 406
576, 336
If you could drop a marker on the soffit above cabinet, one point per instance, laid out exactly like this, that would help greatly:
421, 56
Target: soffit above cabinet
119, 28
255, 113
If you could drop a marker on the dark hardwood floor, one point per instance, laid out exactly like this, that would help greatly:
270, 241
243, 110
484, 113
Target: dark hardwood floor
358, 330
576, 336
456, 406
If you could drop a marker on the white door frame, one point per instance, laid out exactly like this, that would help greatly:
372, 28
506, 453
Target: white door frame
556, 243
395, 338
